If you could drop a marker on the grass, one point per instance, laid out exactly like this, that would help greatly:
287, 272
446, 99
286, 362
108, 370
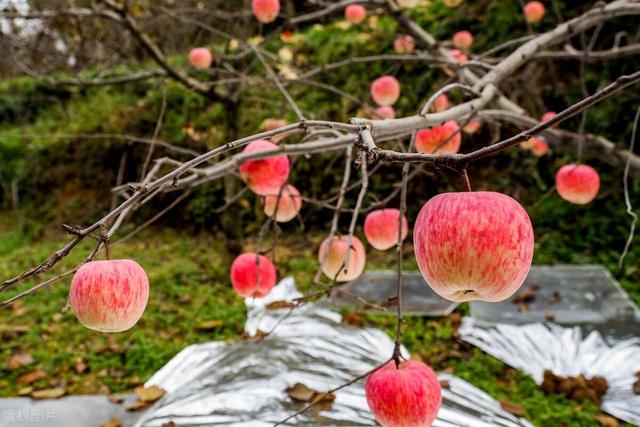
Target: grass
188, 275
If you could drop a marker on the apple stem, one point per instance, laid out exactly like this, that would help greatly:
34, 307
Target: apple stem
466, 178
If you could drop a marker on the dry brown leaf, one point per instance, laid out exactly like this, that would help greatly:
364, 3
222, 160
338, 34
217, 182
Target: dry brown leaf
149, 394
137, 405
19, 359
512, 408
31, 377
169, 424
113, 422
280, 304
50, 393
607, 421
209, 325
445, 384
116, 400
527, 295
300, 392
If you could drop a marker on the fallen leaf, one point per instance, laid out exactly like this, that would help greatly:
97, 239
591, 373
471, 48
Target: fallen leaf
209, 325
169, 424
137, 405
149, 394
116, 400
113, 422
353, 318
512, 408
445, 384
25, 391
31, 377
50, 393
19, 359
636, 387
280, 304
607, 421
302, 393
528, 295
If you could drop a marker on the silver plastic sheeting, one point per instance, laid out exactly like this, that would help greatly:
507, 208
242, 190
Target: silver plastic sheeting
573, 295
243, 383
537, 347
380, 286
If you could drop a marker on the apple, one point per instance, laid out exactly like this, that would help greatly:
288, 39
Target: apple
404, 44
577, 183
288, 206
252, 275
355, 13
334, 253
200, 58
548, 116
473, 245
463, 40
408, 395
458, 56
265, 11
433, 140
386, 112
539, 146
264, 176
109, 296
381, 228
441, 103
533, 12
385, 91
472, 126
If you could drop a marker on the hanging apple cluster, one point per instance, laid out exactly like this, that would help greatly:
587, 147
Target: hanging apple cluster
468, 245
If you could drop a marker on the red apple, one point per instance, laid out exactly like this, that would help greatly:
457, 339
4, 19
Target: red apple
539, 146
433, 140
463, 40
381, 228
253, 275
405, 396
200, 58
404, 44
334, 256
458, 56
473, 245
385, 90
548, 116
533, 12
441, 103
355, 13
264, 176
288, 206
578, 184
266, 11
109, 296
472, 126
385, 113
